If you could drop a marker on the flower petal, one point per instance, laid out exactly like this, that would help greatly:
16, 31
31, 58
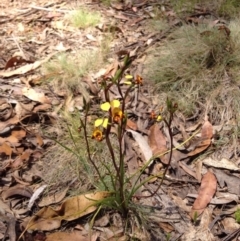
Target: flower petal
97, 135
105, 106
98, 122
105, 123
128, 76
115, 103
127, 82
159, 118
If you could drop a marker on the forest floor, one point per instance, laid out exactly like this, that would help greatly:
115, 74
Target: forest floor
166, 75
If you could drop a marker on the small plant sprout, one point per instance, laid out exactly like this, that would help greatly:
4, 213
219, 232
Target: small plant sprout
195, 216
237, 216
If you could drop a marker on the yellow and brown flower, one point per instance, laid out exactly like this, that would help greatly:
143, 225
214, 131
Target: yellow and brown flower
97, 134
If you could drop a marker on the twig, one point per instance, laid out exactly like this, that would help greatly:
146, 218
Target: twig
19, 48
50, 9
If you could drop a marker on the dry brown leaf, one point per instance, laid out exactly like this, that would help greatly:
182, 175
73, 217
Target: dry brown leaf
12, 228
73, 208
3, 230
5, 126
15, 137
17, 190
111, 70
131, 125
207, 131
23, 110
102, 221
166, 227
231, 181
42, 107
205, 194
205, 140
16, 61
62, 236
221, 163
35, 96
157, 142
55, 198
5, 149
143, 145
5, 208
109, 233
26, 68
19, 161
6, 109
187, 169
19, 134
201, 146
230, 224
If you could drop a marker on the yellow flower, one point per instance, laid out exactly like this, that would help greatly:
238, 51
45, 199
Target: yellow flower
117, 114
128, 80
97, 134
113, 104
139, 80
101, 122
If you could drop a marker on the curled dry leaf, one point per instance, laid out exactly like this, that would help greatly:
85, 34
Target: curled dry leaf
20, 160
205, 194
55, 198
42, 107
223, 163
26, 68
205, 140
131, 125
48, 218
35, 96
6, 125
143, 145
233, 182
16, 61
17, 190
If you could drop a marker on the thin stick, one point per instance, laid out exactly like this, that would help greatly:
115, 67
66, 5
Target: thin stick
50, 9
19, 48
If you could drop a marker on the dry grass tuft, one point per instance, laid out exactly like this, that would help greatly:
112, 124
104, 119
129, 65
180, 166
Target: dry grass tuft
83, 18
198, 67
71, 68
63, 167
223, 8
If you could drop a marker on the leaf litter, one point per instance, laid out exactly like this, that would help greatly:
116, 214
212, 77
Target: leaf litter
25, 107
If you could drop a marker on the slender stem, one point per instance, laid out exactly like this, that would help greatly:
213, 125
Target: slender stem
107, 134
84, 124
